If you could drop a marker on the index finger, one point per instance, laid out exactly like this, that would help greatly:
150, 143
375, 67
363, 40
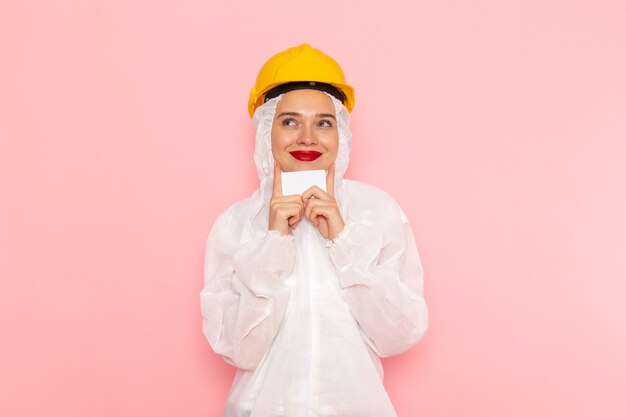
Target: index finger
330, 181
277, 190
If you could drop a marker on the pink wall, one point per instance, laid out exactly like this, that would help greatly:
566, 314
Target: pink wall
500, 127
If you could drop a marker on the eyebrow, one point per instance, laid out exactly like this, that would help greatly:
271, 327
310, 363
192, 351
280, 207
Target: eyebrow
289, 113
293, 113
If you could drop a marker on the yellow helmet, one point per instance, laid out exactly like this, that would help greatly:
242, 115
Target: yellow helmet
300, 67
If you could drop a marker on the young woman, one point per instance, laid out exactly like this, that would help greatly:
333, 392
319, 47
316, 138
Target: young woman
305, 293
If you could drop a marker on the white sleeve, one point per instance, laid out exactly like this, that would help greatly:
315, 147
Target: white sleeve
245, 295
381, 275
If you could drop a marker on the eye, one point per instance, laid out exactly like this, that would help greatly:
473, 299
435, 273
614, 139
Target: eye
289, 122
325, 123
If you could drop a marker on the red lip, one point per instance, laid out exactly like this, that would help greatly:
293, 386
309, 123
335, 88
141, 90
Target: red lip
306, 155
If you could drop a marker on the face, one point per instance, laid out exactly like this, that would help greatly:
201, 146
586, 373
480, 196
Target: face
304, 131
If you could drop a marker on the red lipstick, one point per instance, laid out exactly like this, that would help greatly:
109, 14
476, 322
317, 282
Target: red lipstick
306, 155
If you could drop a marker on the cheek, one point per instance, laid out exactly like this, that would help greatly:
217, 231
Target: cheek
279, 143
332, 144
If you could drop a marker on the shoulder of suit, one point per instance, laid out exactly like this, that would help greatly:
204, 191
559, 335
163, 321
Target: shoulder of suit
356, 190
359, 197
238, 213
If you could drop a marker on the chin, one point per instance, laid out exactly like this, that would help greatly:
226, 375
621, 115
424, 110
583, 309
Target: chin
309, 167
295, 165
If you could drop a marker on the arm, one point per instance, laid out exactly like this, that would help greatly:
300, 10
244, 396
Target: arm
380, 271
244, 296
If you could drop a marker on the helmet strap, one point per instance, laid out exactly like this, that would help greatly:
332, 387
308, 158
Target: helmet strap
305, 85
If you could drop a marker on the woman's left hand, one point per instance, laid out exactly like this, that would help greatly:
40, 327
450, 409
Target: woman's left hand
321, 208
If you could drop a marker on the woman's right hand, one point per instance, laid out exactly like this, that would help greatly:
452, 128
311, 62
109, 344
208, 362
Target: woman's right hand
285, 210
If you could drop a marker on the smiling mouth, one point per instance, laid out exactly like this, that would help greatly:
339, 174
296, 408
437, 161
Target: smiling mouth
306, 155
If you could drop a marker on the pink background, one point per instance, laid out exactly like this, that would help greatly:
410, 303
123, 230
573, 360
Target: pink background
500, 127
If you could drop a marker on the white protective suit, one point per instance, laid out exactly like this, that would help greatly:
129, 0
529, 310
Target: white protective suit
305, 319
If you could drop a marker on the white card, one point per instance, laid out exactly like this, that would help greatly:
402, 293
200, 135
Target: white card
297, 182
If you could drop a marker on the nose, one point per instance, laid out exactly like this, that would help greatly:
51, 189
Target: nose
307, 135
